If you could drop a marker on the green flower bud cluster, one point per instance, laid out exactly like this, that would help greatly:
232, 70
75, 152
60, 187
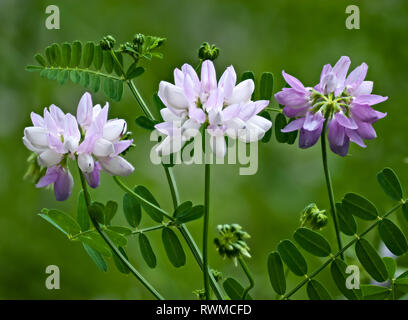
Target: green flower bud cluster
142, 46
208, 52
232, 241
313, 217
108, 42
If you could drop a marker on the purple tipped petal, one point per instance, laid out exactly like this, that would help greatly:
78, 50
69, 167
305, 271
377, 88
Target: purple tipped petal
178, 78
356, 77
336, 133
294, 125
365, 88
295, 112
189, 70
289, 97
93, 178
309, 138
364, 112
293, 82
341, 150
63, 185
228, 81
122, 145
37, 120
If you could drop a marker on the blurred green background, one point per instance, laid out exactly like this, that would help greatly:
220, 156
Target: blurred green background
297, 36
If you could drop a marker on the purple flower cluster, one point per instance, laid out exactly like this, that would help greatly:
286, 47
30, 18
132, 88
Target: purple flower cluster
91, 138
340, 103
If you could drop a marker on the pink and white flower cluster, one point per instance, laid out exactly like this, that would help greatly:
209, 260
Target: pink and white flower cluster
223, 107
91, 138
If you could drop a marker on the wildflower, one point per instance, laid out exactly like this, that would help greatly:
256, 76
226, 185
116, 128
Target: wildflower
223, 108
232, 241
340, 103
56, 137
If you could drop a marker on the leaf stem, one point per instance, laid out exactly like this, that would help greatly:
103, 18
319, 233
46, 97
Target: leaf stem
114, 249
273, 109
158, 227
207, 174
248, 273
325, 264
330, 188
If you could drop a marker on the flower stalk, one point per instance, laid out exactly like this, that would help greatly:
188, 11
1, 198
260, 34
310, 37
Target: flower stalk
206, 271
330, 189
248, 273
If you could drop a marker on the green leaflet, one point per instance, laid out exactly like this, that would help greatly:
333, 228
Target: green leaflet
96, 257
95, 241
391, 266
88, 54
347, 223
372, 292
393, 237
147, 195
266, 86
292, 257
76, 52
193, 213
132, 210
276, 273
65, 54
234, 290
118, 263
370, 260
359, 206
134, 71
98, 57
173, 248
118, 239
268, 134
390, 183
145, 123
110, 210
316, 291
147, 251
280, 123
312, 242
61, 221
338, 272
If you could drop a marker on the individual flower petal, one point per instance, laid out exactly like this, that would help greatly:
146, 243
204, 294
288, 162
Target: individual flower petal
294, 125
169, 145
341, 150
366, 87
85, 110
37, 120
369, 99
37, 136
30, 147
341, 67
356, 77
116, 166
103, 148
63, 185
208, 76
308, 139
293, 82
50, 177
86, 162
366, 131
227, 81
313, 121
93, 178
344, 121
242, 92
355, 137
189, 70
122, 145
168, 115
336, 133
364, 112
178, 78
218, 145
172, 96
289, 97
49, 158
114, 129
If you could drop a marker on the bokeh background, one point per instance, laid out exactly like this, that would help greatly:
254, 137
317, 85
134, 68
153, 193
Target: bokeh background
297, 36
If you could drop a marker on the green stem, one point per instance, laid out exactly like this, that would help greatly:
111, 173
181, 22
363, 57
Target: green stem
248, 274
158, 227
357, 237
114, 249
330, 188
205, 229
172, 185
273, 109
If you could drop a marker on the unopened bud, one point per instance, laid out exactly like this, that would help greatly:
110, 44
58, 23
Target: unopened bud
107, 43
313, 217
208, 52
232, 241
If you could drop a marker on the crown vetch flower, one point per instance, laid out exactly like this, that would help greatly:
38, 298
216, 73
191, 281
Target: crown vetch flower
343, 102
223, 107
56, 137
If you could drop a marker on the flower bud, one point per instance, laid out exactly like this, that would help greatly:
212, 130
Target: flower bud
138, 39
231, 242
216, 274
107, 43
200, 293
313, 217
208, 52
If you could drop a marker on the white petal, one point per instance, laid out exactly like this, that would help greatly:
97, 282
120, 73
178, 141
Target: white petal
103, 148
261, 122
37, 136
242, 92
169, 115
117, 166
114, 129
175, 97
86, 162
170, 145
30, 147
49, 158
71, 144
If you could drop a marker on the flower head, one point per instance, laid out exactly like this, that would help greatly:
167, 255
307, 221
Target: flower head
223, 107
232, 241
95, 142
343, 103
